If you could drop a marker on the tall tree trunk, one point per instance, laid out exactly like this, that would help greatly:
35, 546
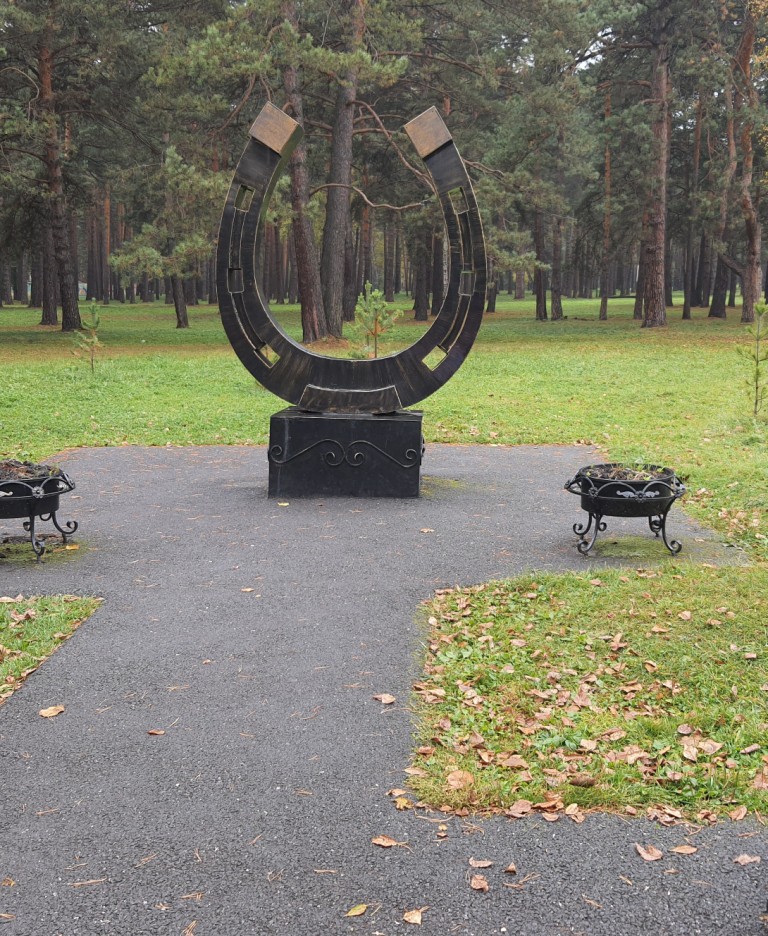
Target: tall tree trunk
605, 259
179, 301
314, 324
556, 289
539, 277
70, 312
732, 277
654, 308
693, 190
353, 276
398, 271
747, 105
50, 296
337, 202
389, 261
720, 290
637, 313
519, 285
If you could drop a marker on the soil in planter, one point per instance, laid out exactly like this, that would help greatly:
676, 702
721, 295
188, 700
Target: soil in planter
12, 470
625, 473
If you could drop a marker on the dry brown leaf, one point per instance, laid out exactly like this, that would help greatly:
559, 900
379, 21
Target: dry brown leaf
51, 712
684, 849
385, 698
738, 814
458, 779
479, 863
479, 883
414, 916
511, 868
519, 808
685, 615
514, 761
357, 910
651, 853
385, 841
747, 859
156, 731
750, 749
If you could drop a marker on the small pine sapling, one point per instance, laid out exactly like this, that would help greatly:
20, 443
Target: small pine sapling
756, 355
86, 341
374, 317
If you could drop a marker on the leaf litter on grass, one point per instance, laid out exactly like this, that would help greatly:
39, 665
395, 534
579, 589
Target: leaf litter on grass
562, 694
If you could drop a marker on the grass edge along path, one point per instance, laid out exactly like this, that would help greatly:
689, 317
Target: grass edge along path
31, 629
560, 694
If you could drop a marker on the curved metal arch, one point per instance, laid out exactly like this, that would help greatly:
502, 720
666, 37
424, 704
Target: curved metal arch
316, 382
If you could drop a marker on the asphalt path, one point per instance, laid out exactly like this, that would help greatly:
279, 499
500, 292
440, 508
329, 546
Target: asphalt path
255, 636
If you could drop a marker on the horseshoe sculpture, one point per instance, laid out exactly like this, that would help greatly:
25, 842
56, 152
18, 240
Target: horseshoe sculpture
317, 383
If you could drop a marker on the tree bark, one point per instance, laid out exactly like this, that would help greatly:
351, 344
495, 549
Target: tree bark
539, 277
720, 290
654, 308
50, 295
337, 200
747, 105
179, 301
70, 311
314, 324
605, 259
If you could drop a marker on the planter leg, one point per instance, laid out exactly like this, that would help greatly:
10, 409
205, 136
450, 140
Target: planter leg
67, 530
660, 525
584, 545
37, 545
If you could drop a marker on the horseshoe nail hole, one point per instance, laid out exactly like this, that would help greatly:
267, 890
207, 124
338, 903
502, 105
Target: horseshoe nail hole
435, 358
243, 198
458, 200
467, 284
235, 280
268, 355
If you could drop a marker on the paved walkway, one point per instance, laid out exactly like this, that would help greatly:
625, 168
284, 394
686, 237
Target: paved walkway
255, 636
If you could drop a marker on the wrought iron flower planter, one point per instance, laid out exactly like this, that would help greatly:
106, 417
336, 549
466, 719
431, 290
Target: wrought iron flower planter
615, 490
35, 497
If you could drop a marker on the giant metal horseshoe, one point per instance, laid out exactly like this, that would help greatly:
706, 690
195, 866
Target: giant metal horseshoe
316, 382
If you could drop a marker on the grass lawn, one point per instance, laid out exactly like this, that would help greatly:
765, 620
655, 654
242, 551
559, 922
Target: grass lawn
586, 691
31, 629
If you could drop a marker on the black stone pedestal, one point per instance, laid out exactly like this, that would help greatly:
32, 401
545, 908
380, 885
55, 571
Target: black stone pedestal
344, 454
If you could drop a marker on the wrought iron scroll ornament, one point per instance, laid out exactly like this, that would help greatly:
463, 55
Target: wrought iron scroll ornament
333, 453
37, 498
319, 383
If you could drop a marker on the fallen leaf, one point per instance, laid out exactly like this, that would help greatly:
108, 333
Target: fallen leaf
592, 903
479, 863
750, 749
156, 731
519, 808
72, 546
414, 916
385, 698
286, 504
458, 779
479, 883
685, 615
738, 814
385, 841
426, 530
651, 853
357, 910
684, 849
747, 859
511, 868
51, 712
